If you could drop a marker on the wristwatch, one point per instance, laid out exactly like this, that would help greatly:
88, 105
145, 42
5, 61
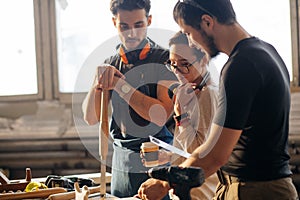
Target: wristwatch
180, 118
125, 89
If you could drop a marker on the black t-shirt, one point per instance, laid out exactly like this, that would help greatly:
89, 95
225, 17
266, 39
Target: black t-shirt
255, 97
144, 76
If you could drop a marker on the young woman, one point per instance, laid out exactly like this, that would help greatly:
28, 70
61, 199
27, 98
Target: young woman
194, 105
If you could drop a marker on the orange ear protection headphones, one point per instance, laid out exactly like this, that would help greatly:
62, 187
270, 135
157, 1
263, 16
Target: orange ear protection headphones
143, 54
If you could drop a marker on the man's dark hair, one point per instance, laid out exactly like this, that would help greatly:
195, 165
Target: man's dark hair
129, 5
181, 38
191, 11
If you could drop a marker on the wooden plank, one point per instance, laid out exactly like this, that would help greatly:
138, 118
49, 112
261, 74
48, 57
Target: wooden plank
48, 145
294, 139
51, 163
43, 193
13, 187
42, 155
87, 132
295, 159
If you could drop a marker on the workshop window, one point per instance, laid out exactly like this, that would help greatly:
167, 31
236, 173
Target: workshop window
18, 75
268, 20
45, 44
82, 27
80, 34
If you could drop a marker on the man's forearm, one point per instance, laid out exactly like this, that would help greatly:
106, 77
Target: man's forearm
208, 165
91, 106
215, 152
151, 109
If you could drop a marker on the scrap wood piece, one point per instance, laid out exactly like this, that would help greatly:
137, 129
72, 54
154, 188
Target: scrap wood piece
13, 186
3, 179
43, 193
71, 195
81, 194
7, 185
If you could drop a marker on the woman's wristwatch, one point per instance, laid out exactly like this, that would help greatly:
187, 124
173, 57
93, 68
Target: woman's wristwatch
180, 118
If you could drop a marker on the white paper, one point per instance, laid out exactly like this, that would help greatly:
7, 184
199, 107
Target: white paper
169, 147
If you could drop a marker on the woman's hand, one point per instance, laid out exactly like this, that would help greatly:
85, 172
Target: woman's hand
163, 157
184, 95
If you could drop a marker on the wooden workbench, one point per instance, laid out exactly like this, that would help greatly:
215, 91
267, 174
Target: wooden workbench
20, 195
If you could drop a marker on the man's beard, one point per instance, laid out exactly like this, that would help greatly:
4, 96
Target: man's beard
209, 41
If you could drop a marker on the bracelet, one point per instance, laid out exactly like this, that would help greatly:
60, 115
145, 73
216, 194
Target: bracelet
179, 118
183, 120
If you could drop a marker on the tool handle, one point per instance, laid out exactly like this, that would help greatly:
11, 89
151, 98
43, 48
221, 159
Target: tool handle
103, 138
103, 125
183, 192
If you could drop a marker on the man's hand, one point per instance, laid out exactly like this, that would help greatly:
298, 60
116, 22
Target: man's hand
107, 77
153, 189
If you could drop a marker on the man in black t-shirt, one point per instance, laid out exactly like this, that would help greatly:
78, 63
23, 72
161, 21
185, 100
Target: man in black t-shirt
248, 139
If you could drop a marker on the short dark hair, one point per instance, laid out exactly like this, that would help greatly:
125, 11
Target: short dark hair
129, 5
181, 38
187, 10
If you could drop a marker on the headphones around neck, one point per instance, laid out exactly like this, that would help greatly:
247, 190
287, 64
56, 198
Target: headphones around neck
145, 50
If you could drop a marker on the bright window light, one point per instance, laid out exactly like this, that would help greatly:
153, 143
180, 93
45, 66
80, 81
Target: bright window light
83, 26
18, 70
